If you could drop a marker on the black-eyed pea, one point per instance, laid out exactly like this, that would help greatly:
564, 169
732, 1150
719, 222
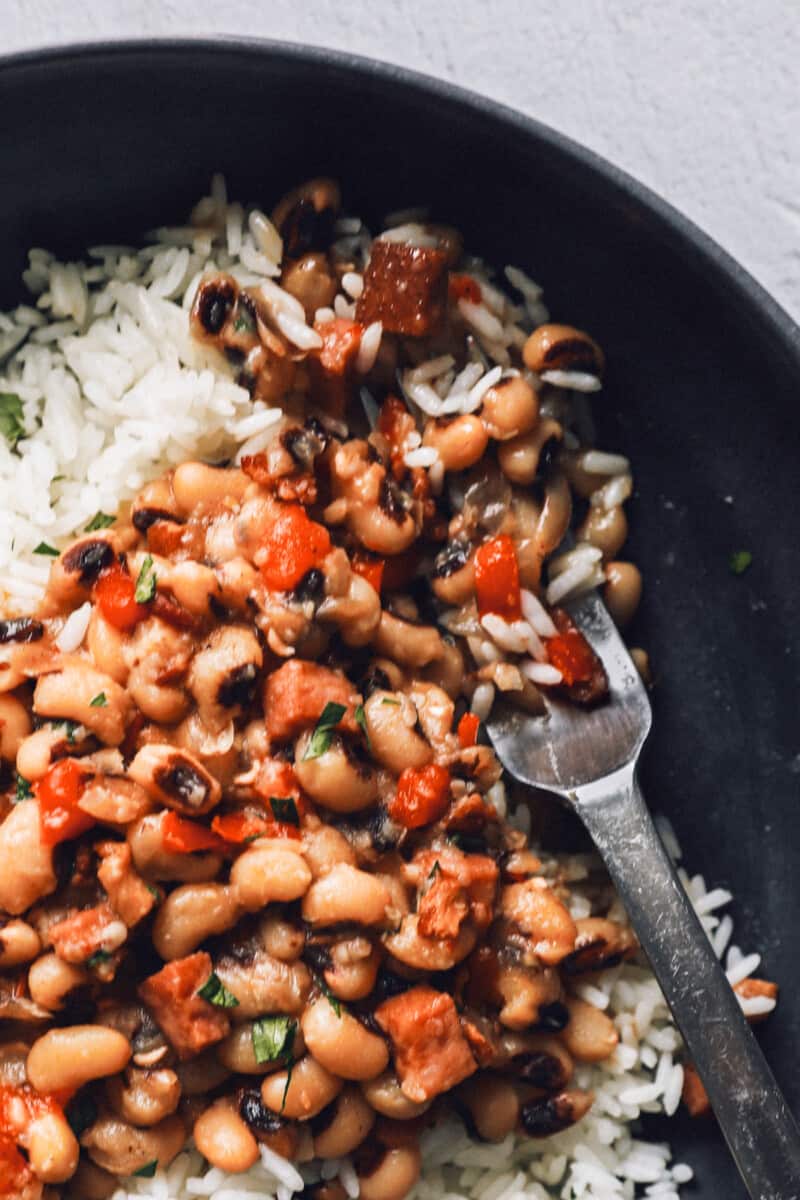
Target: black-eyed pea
69, 692
554, 347
268, 874
589, 1035
26, 865
65, 1059
106, 645
224, 674
176, 778
52, 1147
310, 1089
342, 1127
320, 194
408, 644
493, 1104
341, 1043
15, 724
551, 1114
540, 1059
354, 968
540, 914
346, 894
19, 943
190, 914
393, 1176
510, 408
310, 280
459, 441
386, 1096
146, 840
50, 981
623, 591
224, 1139
339, 778
195, 483
395, 743
522, 458
144, 1096
325, 847
200, 1075
605, 528
453, 579
123, 1149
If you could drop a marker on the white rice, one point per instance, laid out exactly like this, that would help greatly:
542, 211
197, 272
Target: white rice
113, 392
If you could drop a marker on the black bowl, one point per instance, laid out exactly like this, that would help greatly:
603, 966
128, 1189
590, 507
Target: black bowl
703, 391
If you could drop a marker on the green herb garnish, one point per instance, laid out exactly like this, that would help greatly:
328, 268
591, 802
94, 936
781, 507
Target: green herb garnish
273, 1038
146, 583
389, 700
334, 1001
361, 722
100, 520
284, 809
81, 1112
322, 736
98, 958
148, 1170
244, 322
46, 548
154, 892
70, 729
435, 870
22, 789
739, 561
215, 992
289, 1069
11, 424
98, 701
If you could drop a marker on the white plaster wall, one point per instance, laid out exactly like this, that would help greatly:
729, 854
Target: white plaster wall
700, 100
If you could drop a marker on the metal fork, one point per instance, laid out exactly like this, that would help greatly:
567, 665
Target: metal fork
589, 759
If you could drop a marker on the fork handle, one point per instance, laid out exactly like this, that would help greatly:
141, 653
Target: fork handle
752, 1112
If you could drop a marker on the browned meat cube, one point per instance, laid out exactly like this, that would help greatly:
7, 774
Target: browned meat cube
296, 694
188, 1021
431, 1053
405, 287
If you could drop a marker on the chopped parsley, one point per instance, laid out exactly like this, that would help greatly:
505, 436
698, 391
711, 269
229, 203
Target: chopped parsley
215, 992
12, 426
70, 729
284, 809
289, 1070
739, 561
361, 721
334, 1001
22, 789
435, 870
148, 1170
322, 736
154, 892
46, 548
81, 1112
98, 959
146, 583
389, 700
98, 701
244, 322
273, 1038
100, 520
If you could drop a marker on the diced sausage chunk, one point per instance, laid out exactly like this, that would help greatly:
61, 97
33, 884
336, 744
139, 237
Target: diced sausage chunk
129, 894
296, 694
188, 1021
405, 287
431, 1053
78, 937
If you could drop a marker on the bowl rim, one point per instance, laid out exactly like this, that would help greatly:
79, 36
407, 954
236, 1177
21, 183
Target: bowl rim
678, 232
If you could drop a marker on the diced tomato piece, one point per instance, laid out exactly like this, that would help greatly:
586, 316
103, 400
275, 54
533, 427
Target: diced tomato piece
16, 1178
15, 1174
180, 836
572, 655
370, 569
497, 578
58, 794
115, 595
296, 545
464, 287
468, 728
340, 342
238, 828
422, 795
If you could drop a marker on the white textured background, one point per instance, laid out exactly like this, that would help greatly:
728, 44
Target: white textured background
698, 98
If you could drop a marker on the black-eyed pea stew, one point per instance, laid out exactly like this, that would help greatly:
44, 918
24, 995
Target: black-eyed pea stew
255, 887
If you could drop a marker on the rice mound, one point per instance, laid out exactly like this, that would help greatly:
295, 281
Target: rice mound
114, 391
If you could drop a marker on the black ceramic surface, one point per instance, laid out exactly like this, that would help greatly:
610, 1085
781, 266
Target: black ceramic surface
703, 387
